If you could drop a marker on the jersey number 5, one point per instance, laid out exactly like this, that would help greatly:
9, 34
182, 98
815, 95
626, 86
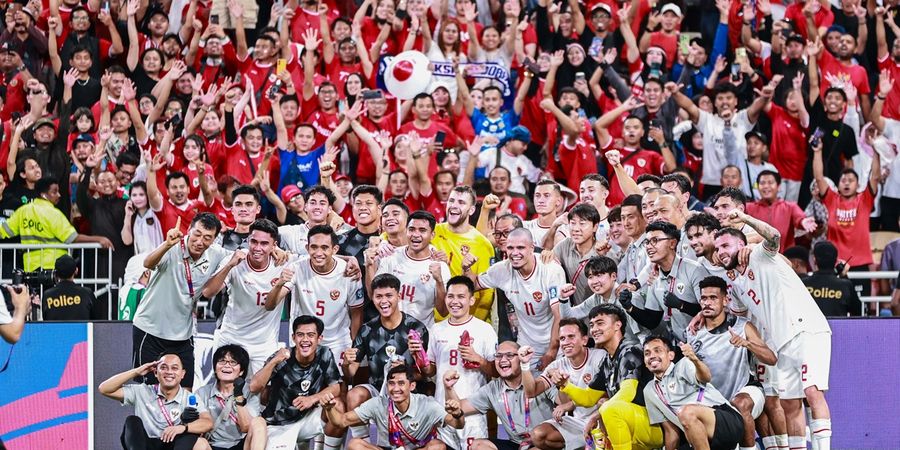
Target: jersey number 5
320, 308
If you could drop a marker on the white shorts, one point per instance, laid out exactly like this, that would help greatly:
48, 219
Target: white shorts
475, 428
571, 429
768, 377
259, 353
285, 437
758, 398
804, 362
337, 350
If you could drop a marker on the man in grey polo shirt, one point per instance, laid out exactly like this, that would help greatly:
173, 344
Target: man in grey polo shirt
506, 397
672, 295
163, 417
404, 420
681, 398
635, 256
574, 251
164, 320
600, 272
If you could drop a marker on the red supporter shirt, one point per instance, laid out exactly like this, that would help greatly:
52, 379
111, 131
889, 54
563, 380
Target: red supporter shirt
211, 73
239, 165
667, 42
309, 20
783, 215
432, 204
15, 97
856, 74
365, 167
170, 213
635, 163
891, 108
427, 135
823, 18
848, 225
324, 123
788, 150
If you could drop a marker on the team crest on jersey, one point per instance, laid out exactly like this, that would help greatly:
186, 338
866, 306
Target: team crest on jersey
425, 277
671, 385
335, 294
641, 162
391, 351
538, 296
680, 288
175, 413
731, 275
304, 385
750, 274
204, 267
414, 425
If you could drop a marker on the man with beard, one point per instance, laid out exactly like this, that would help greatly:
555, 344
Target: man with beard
532, 287
421, 277
317, 205
162, 416
215, 57
701, 233
785, 216
293, 382
464, 344
458, 238
226, 398
727, 200
412, 420
319, 287
383, 342
505, 396
579, 365
725, 344
683, 400
574, 252
164, 319
621, 377
547, 200
723, 131
673, 295
843, 66
249, 275
765, 285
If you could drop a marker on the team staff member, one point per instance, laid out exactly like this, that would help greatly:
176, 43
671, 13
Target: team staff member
682, 399
835, 296
574, 251
294, 382
164, 320
67, 300
725, 343
601, 272
162, 415
413, 421
41, 222
621, 377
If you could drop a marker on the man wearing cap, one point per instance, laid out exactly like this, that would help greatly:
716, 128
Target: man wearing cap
510, 153
67, 300
667, 36
784, 215
294, 202
29, 42
834, 294
751, 166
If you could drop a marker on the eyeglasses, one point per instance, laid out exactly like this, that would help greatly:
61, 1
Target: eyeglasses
655, 240
509, 356
501, 234
228, 362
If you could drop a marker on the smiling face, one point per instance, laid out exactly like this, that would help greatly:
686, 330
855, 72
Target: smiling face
491, 102
228, 369
701, 239
571, 341
601, 283
107, 183
727, 248
459, 300
617, 233
261, 246
519, 250
178, 190
420, 234
768, 188
657, 357
581, 230
138, 197
199, 239
321, 251
306, 340
317, 207
726, 102
663, 247
399, 387
460, 206
170, 372
604, 328
393, 219
365, 209
507, 360
386, 300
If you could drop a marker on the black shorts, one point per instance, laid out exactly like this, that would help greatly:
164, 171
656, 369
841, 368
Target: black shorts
504, 444
729, 428
147, 347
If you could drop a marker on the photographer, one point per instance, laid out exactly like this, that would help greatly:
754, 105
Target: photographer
67, 300
12, 321
828, 285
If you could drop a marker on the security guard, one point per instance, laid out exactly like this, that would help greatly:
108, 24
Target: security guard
835, 296
40, 222
67, 300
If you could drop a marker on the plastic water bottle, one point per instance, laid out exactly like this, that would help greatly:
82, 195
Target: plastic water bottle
466, 340
192, 401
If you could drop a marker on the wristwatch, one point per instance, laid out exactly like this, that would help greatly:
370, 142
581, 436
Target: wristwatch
240, 401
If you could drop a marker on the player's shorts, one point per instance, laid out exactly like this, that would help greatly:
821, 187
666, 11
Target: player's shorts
285, 437
804, 361
767, 376
757, 396
729, 428
259, 353
373, 392
572, 430
475, 428
337, 348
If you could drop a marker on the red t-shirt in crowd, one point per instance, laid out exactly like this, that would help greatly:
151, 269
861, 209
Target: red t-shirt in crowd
856, 74
432, 204
848, 225
636, 162
365, 167
891, 108
788, 149
239, 164
823, 18
426, 135
783, 215
324, 123
170, 213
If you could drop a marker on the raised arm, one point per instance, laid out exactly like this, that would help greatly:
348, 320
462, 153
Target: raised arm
113, 386
771, 236
217, 282
812, 50
131, 59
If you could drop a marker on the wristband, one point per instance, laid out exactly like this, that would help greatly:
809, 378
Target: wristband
526, 366
185, 429
240, 401
878, 97
457, 416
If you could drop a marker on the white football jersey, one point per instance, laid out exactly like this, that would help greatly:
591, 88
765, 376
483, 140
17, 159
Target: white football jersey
294, 238
443, 342
538, 233
328, 296
580, 376
246, 320
776, 296
417, 286
532, 298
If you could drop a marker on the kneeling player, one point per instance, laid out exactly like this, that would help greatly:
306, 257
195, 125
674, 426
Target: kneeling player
722, 343
294, 383
404, 420
683, 400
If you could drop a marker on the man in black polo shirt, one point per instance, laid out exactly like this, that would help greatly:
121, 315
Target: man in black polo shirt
834, 295
67, 300
295, 382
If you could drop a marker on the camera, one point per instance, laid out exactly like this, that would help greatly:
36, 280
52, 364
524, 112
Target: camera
37, 278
